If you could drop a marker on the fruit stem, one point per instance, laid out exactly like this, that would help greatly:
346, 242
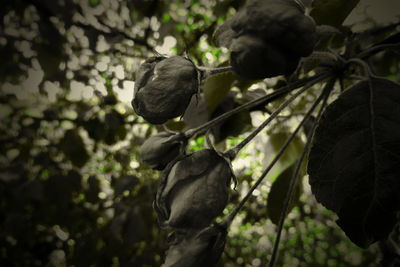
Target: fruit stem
228, 220
294, 179
259, 101
207, 72
235, 150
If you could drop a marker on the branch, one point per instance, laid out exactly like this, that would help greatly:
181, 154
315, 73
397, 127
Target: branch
260, 101
293, 182
229, 219
376, 49
235, 150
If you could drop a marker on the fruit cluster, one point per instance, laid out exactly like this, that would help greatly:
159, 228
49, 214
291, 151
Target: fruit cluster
266, 38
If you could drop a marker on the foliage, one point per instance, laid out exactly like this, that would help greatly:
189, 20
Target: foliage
74, 191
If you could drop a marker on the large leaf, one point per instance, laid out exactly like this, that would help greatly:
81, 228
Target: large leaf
217, 86
277, 194
332, 12
355, 158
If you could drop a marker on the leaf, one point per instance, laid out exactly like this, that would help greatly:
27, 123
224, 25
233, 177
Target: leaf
308, 125
354, 160
114, 127
126, 182
50, 53
235, 124
196, 113
9, 69
197, 248
92, 193
74, 149
95, 129
332, 12
277, 194
292, 153
215, 88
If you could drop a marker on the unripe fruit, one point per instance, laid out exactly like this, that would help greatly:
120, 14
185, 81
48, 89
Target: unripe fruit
199, 249
160, 149
164, 87
267, 38
194, 190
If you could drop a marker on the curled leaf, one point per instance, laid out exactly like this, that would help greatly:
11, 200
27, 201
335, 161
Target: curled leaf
161, 149
354, 160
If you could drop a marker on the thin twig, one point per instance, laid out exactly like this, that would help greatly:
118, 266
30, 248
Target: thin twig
293, 182
230, 218
235, 150
207, 72
375, 49
262, 100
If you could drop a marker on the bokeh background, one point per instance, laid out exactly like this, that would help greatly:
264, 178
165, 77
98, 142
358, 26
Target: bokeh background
72, 189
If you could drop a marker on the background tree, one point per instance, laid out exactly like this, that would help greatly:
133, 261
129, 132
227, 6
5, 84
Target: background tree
73, 190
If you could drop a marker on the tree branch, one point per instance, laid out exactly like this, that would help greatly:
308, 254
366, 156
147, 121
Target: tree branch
294, 179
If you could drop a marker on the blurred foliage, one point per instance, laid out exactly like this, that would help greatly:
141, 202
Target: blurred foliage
72, 190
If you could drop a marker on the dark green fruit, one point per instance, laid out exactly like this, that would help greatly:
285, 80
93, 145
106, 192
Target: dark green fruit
161, 149
267, 38
164, 87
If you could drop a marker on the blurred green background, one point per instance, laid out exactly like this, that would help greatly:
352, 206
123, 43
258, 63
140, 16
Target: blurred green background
72, 189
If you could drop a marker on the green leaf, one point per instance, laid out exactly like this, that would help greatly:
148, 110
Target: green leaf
114, 127
95, 129
123, 183
50, 52
277, 194
215, 89
354, 161
217, 86
308, 125
332, 12
234, 125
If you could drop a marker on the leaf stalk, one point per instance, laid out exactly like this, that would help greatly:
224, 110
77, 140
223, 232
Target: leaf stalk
228, 220
294, 180
260, 101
